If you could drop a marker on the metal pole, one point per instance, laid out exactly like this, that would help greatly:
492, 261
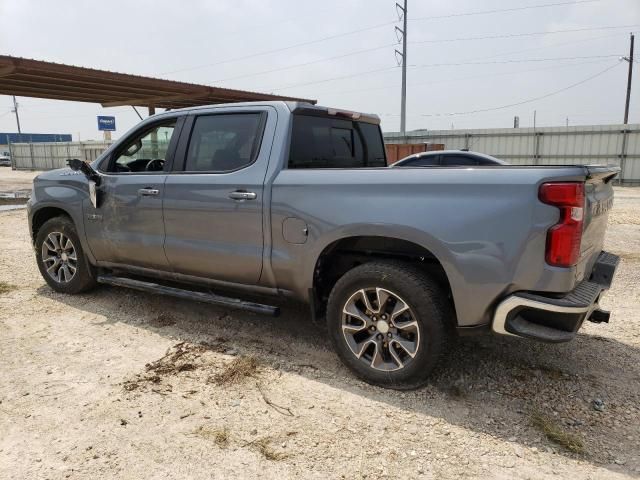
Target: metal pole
154, 136
137, 112
629, 78
13, 160
15, 109
403, 104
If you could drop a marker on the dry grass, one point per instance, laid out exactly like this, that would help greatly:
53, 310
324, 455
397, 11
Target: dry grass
7, 287
263, 446
239, 370
557, 434
220, 436
178, 358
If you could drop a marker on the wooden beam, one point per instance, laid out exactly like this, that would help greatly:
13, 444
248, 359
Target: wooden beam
7, 70
38, 87
146, 101
95, 84
47, 95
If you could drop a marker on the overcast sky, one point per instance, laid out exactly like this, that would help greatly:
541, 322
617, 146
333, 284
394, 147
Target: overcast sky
205, 41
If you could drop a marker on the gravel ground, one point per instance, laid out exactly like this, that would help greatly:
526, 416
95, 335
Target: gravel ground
12, 180
119, 384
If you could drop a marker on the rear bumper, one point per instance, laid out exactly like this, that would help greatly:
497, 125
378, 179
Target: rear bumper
553, 318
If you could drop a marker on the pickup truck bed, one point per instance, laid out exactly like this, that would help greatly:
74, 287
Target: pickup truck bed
295, 201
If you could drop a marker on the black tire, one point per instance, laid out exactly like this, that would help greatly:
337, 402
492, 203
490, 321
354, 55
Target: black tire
84, 277
428, 306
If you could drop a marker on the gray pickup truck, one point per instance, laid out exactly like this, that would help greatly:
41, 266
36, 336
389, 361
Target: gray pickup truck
293, 200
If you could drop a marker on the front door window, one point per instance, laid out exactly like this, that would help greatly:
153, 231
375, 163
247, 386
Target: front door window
147, 152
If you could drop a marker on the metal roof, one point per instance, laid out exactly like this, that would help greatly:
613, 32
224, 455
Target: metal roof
35, 78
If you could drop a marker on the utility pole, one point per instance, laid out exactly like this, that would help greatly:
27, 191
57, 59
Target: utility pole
403, 55
630, 60
15, 110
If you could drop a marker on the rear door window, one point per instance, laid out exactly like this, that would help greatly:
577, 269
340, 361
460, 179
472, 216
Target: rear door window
224, 142
323, 142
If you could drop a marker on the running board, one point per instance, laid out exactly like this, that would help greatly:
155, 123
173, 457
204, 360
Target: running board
211, 298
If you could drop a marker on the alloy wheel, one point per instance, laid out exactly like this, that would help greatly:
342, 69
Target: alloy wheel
380, 329
59, 257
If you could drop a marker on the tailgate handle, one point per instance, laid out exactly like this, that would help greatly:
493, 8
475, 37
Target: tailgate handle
242, 195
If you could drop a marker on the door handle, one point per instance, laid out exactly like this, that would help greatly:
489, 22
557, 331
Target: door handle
241, 195
148, 192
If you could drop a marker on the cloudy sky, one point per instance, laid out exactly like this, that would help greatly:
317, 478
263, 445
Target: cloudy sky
560, 60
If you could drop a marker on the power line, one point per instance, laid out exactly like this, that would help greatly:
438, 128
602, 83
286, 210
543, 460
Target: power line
514, 35
502, 10
492, 62
312, 62
282, 49
379, 70
572, 42
551, 45
343, 77
365, 29
381, 47
457, 79
542, 97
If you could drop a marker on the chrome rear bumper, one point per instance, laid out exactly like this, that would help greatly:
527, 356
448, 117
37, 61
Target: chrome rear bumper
556, 319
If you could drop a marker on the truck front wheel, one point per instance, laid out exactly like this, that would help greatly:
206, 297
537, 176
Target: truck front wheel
60, 257
387, 321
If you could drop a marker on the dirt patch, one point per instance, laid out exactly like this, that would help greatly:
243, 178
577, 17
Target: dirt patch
220, 436
238, 370
181, 357
162, 320
7, 287
264, 446
114, 384
13, 180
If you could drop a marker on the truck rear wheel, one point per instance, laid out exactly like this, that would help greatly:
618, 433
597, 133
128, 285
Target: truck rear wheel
387, 321
60, 257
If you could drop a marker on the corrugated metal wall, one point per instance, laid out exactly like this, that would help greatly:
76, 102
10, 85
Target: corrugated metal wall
597, 144
47, 156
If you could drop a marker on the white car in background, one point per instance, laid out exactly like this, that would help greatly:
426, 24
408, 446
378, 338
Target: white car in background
5, 159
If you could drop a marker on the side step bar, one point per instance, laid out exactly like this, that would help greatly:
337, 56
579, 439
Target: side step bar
211, 298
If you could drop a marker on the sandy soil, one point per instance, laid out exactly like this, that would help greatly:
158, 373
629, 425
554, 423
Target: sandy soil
12, 180
119, 384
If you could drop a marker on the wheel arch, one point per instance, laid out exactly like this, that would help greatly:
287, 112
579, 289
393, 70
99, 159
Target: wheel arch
346, 252
40, 216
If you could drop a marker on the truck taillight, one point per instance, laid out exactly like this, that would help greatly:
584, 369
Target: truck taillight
563, 239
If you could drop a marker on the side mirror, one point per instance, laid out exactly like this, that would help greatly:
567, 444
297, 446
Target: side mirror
94, 178
78, 165
75, 164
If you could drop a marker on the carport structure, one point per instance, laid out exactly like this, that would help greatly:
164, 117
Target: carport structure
35, 78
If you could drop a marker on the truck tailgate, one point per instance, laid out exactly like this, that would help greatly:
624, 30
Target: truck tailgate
598, 202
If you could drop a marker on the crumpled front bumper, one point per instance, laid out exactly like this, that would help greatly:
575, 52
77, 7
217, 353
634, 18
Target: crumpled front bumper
557, 318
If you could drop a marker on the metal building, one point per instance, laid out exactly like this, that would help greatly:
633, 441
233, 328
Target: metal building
7, 138
591, 144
